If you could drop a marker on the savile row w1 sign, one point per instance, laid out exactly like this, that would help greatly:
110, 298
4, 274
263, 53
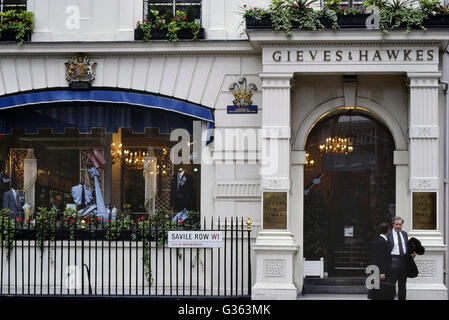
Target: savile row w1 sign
195, 239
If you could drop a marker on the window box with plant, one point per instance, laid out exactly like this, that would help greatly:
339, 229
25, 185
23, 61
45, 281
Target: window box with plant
163, 27
437, 14
348, 17
256, 18
288, 15
16, 26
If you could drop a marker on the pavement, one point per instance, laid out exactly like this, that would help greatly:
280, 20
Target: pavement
320, 296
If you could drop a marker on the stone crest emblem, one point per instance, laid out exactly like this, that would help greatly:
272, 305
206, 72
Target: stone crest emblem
80, 69
242, 92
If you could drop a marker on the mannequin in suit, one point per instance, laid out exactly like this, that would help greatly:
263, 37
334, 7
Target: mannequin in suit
4, 185
181, 191
14, 201
398, 241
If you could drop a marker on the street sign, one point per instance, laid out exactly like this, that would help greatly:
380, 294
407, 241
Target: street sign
195, 239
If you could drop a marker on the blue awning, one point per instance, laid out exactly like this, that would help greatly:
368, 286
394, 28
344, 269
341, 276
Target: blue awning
97, 108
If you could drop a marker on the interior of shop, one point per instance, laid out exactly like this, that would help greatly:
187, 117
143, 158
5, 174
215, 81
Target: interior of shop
349, 190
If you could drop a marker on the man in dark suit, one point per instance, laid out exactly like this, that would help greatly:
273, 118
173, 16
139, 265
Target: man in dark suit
14, 201
397, 240
381, 257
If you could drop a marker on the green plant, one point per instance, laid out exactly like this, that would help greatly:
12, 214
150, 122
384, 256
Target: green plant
8, 231
19, 22
254, 12
314, 231
430, 7
172, 26
45, 226
333, 5
397, 15
286, 14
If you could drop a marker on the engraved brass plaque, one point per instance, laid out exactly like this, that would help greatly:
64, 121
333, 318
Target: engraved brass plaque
424, 210
275, 210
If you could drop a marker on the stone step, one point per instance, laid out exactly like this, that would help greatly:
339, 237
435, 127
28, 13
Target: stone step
335, 285
335, 289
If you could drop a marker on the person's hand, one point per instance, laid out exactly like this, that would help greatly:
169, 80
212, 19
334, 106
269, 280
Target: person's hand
382, 277
413, 255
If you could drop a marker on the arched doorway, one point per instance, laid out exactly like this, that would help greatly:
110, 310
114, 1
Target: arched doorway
347, 193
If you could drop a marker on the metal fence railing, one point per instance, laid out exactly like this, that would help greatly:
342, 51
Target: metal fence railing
79, 258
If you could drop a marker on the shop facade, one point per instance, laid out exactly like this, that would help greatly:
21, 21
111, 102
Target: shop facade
388, 94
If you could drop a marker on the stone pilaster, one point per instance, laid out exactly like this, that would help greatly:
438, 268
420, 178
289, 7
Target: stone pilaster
275, 249
424, 177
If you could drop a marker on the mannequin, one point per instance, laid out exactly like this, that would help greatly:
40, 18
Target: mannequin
181, 191
4, 184
14, 201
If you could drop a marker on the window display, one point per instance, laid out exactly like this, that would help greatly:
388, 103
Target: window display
95, 170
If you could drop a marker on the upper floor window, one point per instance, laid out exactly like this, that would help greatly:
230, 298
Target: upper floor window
19, 5
347, 3
168, 8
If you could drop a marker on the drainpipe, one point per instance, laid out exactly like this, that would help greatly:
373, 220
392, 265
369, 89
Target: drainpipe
446, 162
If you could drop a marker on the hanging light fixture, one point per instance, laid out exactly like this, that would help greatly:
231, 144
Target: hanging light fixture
116, 152
309, 163
339, 145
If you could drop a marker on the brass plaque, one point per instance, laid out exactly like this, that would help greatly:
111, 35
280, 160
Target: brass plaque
424, 210
275, 210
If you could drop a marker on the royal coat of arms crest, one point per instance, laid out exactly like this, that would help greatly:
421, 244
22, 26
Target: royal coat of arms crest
80, 69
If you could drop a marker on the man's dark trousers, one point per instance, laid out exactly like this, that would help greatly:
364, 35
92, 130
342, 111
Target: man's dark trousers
398, 274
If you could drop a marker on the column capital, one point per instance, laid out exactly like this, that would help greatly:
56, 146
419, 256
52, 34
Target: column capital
276, 80
424, 79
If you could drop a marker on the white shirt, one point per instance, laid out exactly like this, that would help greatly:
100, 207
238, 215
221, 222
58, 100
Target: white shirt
395, 250
383, 236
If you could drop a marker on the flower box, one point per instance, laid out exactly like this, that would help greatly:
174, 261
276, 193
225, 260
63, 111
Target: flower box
263, 23
9, 35
184, 34
352, 21
439, 21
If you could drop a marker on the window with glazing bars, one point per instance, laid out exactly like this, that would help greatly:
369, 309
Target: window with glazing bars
19, 5
168, 8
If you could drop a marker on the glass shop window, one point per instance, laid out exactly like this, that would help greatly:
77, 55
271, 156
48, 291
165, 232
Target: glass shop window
50, 163
19, 5
168, 8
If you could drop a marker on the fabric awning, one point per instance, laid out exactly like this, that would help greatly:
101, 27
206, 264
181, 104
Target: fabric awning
97, 108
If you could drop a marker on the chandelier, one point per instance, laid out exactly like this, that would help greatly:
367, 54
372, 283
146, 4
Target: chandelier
338, 145
309, 163
116, 152
134, 160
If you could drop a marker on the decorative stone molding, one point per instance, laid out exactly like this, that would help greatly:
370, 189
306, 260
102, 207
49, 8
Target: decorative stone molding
298, 157
426, 268
276, 184
274, 268
400, 158
424, 183
237, 189
276, 80
276, 132
424, 132
424, 80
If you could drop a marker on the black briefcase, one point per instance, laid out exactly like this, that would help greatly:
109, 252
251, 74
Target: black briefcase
386, 291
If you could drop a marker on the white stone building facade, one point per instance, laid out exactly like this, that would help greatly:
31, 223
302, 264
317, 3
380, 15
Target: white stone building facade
300, 81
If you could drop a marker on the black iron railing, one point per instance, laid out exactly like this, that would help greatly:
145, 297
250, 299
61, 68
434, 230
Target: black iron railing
76, 259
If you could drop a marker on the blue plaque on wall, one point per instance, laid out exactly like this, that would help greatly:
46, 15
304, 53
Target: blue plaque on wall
242, 109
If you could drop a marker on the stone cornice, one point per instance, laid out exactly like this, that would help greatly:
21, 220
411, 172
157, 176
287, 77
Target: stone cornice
130, 48
262, 38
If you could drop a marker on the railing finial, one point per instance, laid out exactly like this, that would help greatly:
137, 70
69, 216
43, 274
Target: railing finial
248, 224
